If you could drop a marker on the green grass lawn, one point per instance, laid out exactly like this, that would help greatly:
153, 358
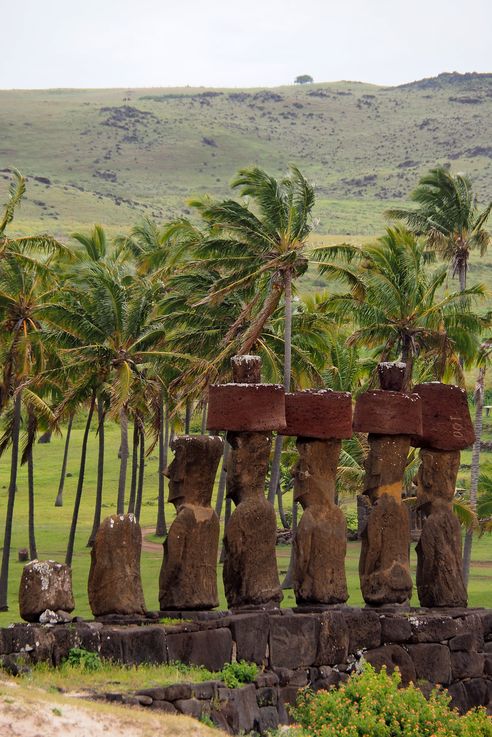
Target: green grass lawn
53, 523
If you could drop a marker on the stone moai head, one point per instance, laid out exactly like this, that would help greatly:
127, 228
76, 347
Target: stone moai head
192, 472
315, 472
436, 477
247, 465
391, 375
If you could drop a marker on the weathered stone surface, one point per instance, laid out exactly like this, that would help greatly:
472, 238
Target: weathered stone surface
321, 414
164, 706
459, 698
45, 584
288, 677
384, 568
34, 641
192, 707
266, 696
250, 633
321, 538
446, 421
393, 656
364, 629
476, 692
439, 561
333, 641
392, 375
293, 641
466, 665
246, 407
395, 629
287, 697
210, 648
206, 690
487, 666
250, 566
432, 662
388, 413
115, 586
468, 641
168, 693
188, 578
239, 708
268, 719
266, 679
65, 638
134, 645
434, 628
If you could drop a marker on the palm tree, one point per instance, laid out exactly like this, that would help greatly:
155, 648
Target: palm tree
404, 313
262, 248
448, 217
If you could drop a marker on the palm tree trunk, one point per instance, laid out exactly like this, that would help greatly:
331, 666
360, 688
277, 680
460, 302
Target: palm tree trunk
277, 454
462, 269
475, 469
80, 483
222, 480
100, 472
120, 505
61, 485
141, 475
161, 528
281, 512
407, 359
289, 576
33, 553
188, 414
4, 571
256, 327
203, 428
133, 483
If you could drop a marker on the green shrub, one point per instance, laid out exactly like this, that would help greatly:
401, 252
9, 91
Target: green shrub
236, 674
370, 704
80, 658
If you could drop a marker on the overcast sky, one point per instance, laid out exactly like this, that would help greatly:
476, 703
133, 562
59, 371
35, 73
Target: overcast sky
236, 43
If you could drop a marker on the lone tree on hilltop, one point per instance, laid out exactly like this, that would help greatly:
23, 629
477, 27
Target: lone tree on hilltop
303, 79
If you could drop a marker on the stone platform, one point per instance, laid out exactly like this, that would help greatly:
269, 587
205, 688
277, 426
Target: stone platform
318, 648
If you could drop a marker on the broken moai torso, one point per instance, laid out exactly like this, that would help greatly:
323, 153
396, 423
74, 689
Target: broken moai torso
115, 584
188, 578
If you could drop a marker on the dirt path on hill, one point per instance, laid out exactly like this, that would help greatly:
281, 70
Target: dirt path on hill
147, 545
26, 711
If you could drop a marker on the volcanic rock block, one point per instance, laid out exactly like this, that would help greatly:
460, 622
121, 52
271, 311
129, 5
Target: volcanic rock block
250, 565
246, 407
188, 578
115, 586
45, 584
388, 413
319, 414
446, 421
321, 538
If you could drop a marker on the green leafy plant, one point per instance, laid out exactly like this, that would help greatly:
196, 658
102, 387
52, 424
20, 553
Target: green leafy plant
235, 675
373, 704
80, 658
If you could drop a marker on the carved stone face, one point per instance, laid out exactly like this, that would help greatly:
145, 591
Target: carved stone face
192, 472
436, 477
247, 464
315, 472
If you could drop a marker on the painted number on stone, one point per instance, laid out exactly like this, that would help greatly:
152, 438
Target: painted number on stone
457, 427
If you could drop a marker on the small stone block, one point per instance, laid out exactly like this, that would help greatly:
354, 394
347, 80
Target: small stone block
388, 413
246, 407
446, 421
322, 414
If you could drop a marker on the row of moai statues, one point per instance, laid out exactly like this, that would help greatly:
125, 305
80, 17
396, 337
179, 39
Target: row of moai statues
434, 418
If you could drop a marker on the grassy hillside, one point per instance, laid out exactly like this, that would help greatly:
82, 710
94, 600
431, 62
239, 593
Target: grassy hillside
110, 155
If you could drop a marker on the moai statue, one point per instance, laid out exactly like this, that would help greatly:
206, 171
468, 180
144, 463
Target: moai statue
115, 585
188, 578
391, 417
320, 419
249, 411
446, 429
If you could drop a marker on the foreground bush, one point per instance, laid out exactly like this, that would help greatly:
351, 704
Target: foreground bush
372, 705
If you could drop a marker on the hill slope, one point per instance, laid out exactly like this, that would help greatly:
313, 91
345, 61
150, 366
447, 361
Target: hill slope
108, 155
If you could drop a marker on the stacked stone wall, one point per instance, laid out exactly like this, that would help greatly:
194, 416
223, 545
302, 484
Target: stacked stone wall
452, 648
